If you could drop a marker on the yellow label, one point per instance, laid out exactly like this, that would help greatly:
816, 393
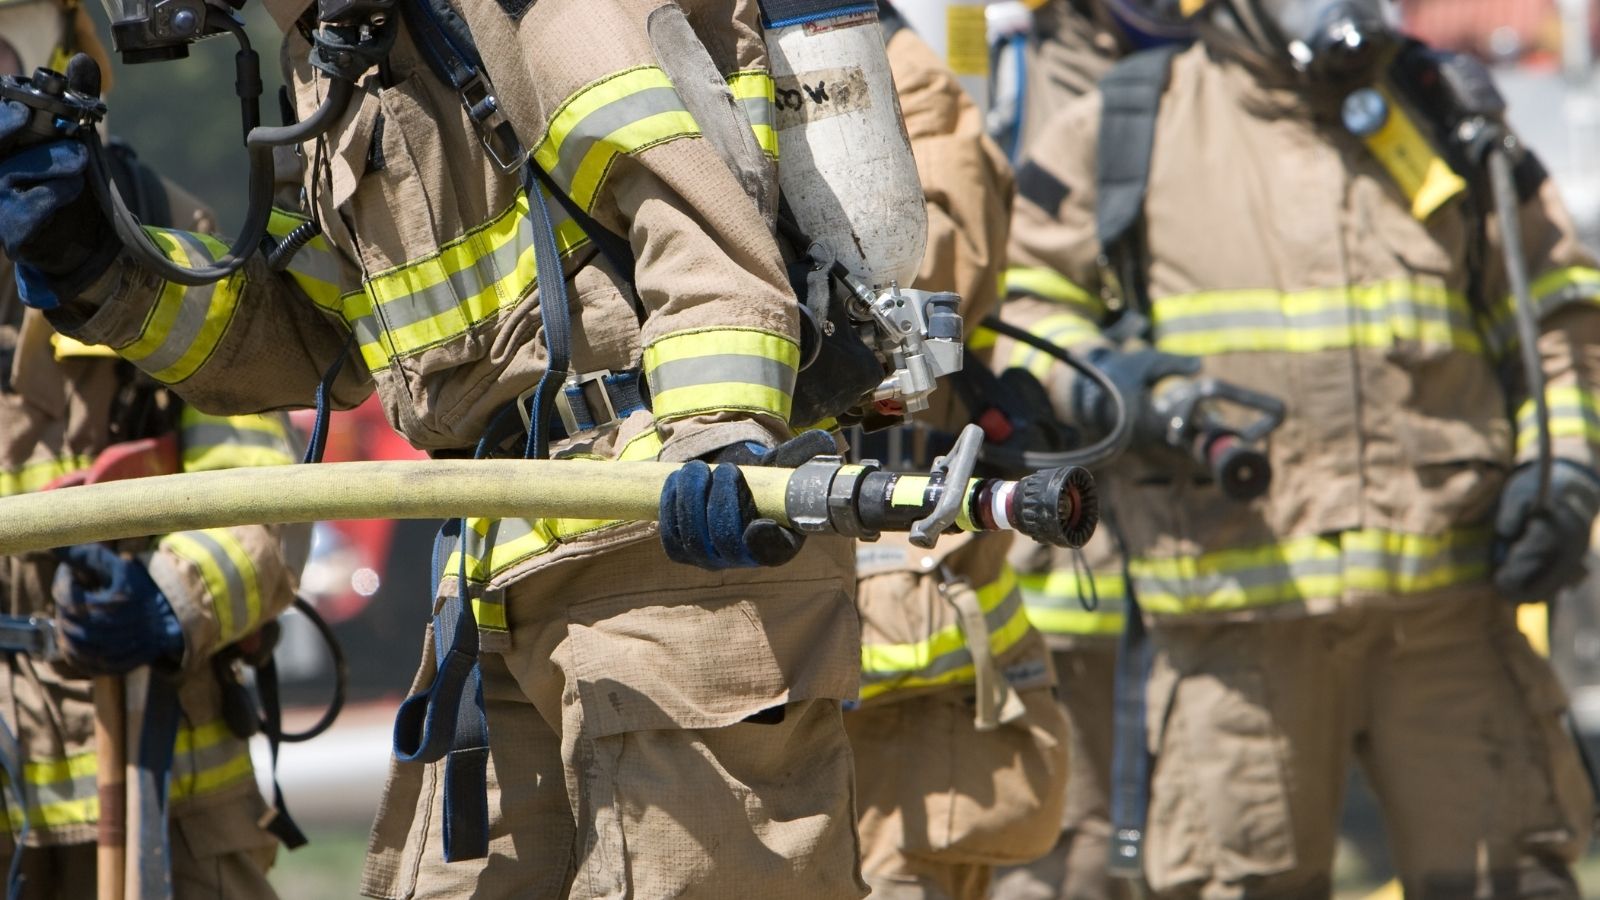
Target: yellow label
966, 39
1533, 620
67, 348
1190, 7
1427, 180
909, 490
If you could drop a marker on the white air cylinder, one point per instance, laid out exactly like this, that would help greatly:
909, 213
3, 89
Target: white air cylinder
845, 163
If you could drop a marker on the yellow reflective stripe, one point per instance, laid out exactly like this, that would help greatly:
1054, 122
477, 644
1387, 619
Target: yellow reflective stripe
1309, 568
1066, 330
314, 267
231, 442
1552, 291
982, 338
621, 114
1373, 316
757, 95
470, 280
1048, 284
208, 758
880, 680
718, 369
1055, 601
1077, 622
1574, 413
33, 475
513, 541
920, 655
229, 575
185, 325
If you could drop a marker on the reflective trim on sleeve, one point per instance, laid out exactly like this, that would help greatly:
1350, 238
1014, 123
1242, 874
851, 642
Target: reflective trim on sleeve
314, 266
229, 575
1552, 291
1374, 316
233, 442
185, 324
619, 115
1047, 284
943, 658
1055, 602
474, 278
36, 473
757, 95
1574, 413
1371, 561
1067, 330
721, 369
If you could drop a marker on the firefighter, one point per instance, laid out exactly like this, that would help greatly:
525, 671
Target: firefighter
1363, 609
648, 728
174, 603
960, 748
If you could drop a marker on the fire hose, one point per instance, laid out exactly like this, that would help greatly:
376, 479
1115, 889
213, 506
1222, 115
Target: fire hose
825, 495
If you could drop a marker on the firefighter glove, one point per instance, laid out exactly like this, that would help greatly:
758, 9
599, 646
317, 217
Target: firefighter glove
709, 518
50, 222
113, 617
1537, 552
1134, 374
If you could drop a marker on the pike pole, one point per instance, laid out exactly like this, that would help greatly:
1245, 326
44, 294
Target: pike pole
826, 495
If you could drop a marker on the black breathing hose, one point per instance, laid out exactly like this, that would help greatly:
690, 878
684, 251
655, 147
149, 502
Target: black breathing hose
258, 145
1098, 453
1502, 179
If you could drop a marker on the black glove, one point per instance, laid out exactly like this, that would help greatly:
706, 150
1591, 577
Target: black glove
709, 519
1133, 374
1539, 552
113, 617
50, 222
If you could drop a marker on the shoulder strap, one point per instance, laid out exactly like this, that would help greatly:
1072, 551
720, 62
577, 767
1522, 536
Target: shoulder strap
1131, 97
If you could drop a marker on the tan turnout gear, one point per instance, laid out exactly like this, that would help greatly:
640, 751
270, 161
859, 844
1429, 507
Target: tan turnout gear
960, 749
427, 259
56, 415
1298, 267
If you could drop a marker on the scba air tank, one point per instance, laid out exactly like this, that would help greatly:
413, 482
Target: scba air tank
845, 163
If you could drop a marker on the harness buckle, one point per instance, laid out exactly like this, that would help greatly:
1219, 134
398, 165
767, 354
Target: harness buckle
499, 139
584, 403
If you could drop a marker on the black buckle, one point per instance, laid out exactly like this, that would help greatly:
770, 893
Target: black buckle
499, 139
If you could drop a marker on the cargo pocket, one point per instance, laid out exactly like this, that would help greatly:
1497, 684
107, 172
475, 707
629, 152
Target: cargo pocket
1552, 798
1219, 804
709, 752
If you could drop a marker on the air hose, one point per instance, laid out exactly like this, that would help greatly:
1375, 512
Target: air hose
1098, 453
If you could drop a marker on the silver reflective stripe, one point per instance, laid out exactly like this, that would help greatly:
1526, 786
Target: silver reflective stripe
1282, 573
484, 273
37, 795
1329, 318
597, 125
237, 597
211, 435
996, 619
192, 312
722, 369
759, 111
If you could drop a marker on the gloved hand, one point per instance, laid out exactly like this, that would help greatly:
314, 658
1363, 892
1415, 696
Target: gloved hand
1538, 552
113, 618
1133, 373
709, 519
50, 222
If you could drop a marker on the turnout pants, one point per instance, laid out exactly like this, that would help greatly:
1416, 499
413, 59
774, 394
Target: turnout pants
655, 730
1456, 721
1075, 869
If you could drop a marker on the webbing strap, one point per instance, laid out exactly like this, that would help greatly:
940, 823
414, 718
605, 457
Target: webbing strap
435, 724
783, 13
1131, 97
276, 821
554, 314
158, 738
1130, 756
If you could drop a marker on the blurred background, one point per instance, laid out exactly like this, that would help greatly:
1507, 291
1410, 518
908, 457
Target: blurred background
369, 579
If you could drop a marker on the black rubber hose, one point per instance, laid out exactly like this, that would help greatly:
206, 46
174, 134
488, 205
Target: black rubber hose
1098, 453
341, 676
1502, 179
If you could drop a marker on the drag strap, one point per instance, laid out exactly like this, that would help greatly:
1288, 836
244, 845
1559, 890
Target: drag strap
276, 820
1130, 756
555, 314
436, 725
997, 702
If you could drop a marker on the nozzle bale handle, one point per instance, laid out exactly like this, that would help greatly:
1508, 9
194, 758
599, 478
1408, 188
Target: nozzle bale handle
437, 489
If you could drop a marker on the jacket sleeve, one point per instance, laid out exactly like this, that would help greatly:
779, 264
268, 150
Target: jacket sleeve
968, 187
257, 340
225, 583
1053, 283
1565, 288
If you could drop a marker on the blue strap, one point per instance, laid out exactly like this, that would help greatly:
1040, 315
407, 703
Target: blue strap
435, 724
554, 314
1130, 757
158, 738
783, 13
11, 760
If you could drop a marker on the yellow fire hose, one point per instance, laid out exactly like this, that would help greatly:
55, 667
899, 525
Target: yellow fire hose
825, 495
